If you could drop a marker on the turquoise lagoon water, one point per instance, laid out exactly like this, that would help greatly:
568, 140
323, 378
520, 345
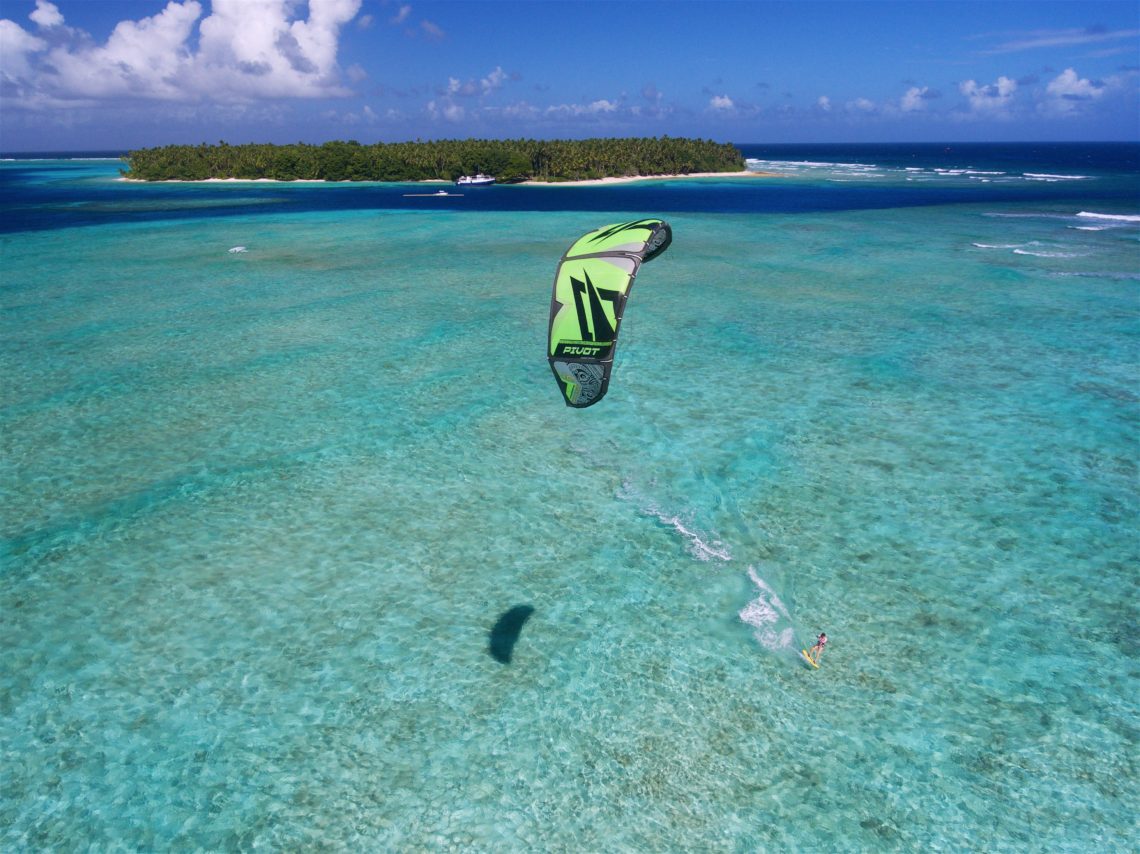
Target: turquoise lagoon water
262, 510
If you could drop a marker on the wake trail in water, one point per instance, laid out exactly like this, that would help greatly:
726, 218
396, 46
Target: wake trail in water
769, 617
701, 544
766, 613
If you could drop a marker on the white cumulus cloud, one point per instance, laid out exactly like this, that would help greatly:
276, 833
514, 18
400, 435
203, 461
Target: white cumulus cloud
46, 14
1069, 86
146, 58
1069, 95
721, 102
244, 49
17, 47
994, 99
913, 100
493, 81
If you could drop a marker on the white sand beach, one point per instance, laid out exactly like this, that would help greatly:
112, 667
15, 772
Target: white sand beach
532, 182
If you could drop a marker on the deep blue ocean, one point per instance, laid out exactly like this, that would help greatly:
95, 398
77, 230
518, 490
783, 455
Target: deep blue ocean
47, 193
301, 550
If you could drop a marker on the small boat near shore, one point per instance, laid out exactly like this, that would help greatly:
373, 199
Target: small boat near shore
478, 180
434, 195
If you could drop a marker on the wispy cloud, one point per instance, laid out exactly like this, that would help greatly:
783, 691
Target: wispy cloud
402, 15
447, 110
471, 88
602, 105
461, 100
1036, 39
365, 116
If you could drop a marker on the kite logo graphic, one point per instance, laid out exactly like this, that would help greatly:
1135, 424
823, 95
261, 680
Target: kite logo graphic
572, 350
582, 384
598, 327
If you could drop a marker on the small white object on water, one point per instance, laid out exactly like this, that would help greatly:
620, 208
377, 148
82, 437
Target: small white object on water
239, 249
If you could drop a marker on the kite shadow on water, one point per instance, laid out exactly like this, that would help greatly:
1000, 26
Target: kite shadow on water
505, 633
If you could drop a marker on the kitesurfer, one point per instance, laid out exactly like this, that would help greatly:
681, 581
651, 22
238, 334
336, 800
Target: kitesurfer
816, 651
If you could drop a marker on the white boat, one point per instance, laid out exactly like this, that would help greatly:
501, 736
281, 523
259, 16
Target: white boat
479, 180
434, 195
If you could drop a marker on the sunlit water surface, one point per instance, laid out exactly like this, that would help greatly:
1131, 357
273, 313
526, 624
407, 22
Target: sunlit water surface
261, 512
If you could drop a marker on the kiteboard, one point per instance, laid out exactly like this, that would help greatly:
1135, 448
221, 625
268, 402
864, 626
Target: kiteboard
807, 658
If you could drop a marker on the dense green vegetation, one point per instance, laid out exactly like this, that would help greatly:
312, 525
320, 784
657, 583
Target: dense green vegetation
508, 160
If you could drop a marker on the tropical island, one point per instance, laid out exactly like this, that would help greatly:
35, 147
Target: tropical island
510, 161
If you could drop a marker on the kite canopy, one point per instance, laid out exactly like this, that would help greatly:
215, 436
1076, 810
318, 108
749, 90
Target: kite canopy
591, 287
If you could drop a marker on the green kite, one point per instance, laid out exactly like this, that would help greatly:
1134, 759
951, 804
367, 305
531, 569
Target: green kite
591, 288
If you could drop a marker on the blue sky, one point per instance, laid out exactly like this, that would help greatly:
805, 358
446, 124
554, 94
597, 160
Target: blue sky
117, 74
